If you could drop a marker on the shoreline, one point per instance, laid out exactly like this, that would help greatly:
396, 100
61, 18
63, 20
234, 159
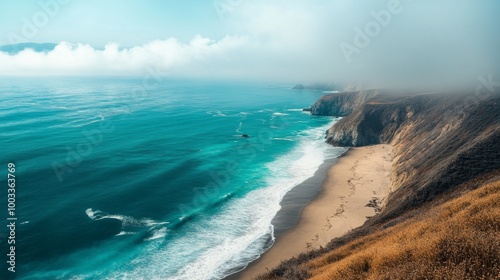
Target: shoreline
298, 198
293, 204
356, 185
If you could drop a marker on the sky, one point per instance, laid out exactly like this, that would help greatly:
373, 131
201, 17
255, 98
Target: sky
382, 42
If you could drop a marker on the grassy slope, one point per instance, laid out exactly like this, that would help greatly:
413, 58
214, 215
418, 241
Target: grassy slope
457, 239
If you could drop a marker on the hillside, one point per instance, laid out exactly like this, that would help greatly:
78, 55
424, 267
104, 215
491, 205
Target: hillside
440, 140
455, 240
444, 146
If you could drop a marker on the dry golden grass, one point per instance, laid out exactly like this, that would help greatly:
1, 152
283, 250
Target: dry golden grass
456, 240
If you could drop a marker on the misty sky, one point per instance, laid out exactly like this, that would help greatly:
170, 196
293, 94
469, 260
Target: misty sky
380, 42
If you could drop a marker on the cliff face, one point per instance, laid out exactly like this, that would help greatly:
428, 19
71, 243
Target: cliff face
440, 140
341, 104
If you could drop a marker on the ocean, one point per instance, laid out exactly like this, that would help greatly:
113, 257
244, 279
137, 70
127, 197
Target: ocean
120, 179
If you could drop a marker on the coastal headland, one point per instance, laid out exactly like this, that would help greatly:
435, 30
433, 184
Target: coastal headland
410, 154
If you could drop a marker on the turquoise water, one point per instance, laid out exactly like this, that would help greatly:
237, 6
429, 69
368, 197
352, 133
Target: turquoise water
118, 181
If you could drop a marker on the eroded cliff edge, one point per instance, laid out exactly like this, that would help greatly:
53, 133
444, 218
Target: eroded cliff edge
440, 139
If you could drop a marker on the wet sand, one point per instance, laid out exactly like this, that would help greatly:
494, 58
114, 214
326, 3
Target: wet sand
354, 189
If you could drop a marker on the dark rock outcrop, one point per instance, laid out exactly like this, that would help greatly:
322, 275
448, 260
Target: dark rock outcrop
319, 86
298, 86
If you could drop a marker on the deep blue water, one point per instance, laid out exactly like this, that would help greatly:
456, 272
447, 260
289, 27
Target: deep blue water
114, 180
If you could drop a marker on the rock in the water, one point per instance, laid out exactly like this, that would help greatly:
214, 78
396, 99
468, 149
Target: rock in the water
245, 136
298, 86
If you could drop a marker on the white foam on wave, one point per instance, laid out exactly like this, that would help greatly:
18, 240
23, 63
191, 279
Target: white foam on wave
280, 114
157, 233
121, 233
283, 139
239, 127
128, 222
242, 230
265, 110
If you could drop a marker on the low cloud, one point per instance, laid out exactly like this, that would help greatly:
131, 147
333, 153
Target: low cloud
384, 43
82, 59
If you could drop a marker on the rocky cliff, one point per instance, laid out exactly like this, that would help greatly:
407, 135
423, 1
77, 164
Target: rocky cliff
440, 140
341, 104
441, 220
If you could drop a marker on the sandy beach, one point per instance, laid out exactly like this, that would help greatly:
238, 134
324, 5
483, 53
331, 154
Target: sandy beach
354, 189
